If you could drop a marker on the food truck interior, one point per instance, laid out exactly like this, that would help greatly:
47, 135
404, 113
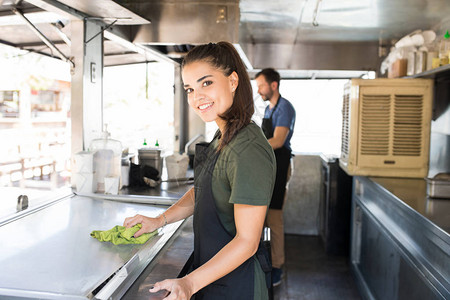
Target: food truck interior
358, 224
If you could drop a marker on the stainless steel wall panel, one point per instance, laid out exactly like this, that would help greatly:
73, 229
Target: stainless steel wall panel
301, 207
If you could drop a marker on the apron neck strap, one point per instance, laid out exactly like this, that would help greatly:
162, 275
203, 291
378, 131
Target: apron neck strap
275, 107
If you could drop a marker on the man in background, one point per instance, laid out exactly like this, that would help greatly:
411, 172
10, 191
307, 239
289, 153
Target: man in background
278, 126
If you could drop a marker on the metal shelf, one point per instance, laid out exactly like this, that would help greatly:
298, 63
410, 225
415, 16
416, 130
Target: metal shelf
433, 73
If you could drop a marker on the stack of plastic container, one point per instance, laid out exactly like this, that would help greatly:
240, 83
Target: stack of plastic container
106, 164
177, 165
84, 172
417, 52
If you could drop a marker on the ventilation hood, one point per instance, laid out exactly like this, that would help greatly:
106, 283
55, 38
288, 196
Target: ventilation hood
288, 35
268, 35
186, 22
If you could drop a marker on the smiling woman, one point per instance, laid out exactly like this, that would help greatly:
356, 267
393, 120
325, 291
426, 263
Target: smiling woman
209, 95
236, 85
234, 179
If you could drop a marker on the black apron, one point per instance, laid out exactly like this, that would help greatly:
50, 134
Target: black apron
210, 236
283, 158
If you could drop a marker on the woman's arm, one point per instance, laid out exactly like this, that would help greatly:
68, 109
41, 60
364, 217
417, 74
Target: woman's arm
182, 209
249, 221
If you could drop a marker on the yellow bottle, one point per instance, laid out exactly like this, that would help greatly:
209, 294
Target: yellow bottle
444, 50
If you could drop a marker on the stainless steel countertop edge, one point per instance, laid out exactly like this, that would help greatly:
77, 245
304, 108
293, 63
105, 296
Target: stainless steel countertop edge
122, 281
401, 203
133, 198
55, 199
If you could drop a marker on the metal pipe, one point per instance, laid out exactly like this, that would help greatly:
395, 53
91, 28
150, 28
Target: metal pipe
316, 13
57, 27
43, 37
191, 141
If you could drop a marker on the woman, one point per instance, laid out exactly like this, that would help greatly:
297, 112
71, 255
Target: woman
234, 178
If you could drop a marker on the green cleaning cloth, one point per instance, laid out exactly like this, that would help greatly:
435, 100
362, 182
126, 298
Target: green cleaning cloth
120, 235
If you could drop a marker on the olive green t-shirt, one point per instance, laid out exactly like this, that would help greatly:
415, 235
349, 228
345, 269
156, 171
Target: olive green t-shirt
244, 174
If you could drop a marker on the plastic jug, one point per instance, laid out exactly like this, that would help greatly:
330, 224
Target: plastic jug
444, 50
107, 160
177, 165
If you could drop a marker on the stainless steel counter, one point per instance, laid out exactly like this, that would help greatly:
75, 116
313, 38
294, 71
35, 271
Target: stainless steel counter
167, 264
413, 192
49, 253
36, 198
400, 240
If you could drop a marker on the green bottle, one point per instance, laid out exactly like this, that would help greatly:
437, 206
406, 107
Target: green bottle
444, 49
145, 142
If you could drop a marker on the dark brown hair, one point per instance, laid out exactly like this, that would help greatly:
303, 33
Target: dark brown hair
224, 57
270, 75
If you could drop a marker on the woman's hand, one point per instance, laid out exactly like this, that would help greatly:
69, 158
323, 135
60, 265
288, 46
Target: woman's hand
182, 209
177, 289
148, 224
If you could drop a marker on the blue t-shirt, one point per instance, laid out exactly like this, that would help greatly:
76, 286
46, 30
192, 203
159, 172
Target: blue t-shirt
283, 116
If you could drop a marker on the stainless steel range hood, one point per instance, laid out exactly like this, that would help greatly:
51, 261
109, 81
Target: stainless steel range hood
286, 34
187, 22
290, 34
268, 35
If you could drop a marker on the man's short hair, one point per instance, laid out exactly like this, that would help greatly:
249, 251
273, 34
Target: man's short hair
270, 75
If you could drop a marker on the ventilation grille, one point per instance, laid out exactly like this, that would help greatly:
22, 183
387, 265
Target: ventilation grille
385, 127
375, 121
345, 124
408, 111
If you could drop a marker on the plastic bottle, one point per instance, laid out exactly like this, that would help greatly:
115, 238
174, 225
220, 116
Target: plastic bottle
444, 50
107, 160
156, 144
144, 143
432, 55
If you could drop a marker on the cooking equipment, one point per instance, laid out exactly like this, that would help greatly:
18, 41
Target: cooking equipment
335, 207
439, 186
150, 157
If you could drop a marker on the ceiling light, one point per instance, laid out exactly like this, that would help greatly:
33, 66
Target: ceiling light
221, 14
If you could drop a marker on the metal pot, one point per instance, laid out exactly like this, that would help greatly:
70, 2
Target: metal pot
150, 157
